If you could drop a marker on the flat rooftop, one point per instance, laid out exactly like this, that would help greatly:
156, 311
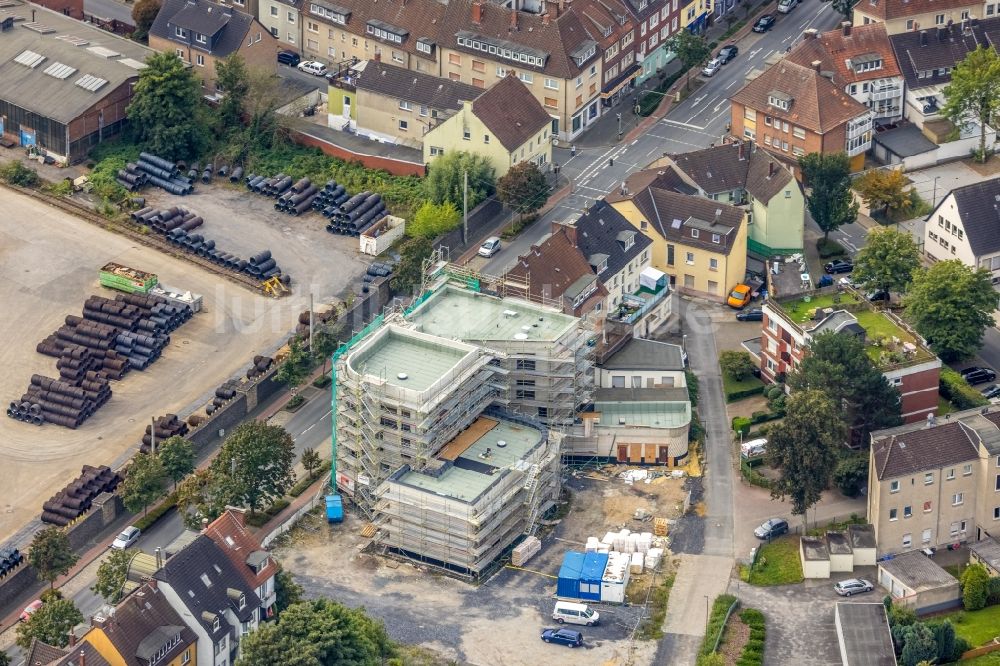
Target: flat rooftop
863, 633
815, 549
650, 414
838, 544
918, 572
472, 471
458, 313
406, 360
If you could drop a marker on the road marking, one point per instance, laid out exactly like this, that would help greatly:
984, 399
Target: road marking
805, 24
755, 52
719, 105
634, 142
732, 83
680, 124
697, 100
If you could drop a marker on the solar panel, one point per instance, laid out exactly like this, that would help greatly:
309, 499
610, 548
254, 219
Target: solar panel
38, 27
131, 62
91, 83
59, 70
103, 52
29, 59
75, 41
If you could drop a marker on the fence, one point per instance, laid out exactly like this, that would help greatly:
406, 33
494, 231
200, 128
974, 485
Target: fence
111, 25
980, 651
289, 522
725, 621
483, 219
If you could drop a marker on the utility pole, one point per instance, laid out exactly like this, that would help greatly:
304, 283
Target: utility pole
465, 206
312, 350
152, 435
619, 127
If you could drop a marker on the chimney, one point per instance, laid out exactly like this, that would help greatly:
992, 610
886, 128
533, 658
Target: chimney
513, 19
562, 7
718, 215
741, 151
923, 38
83, 658
770, 168
809, 34
545, 18
72, 638
817, 64
152, 584
846, 25
159, 558
477, 12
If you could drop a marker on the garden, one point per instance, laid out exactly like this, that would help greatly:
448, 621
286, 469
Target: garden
733, 637
775, 563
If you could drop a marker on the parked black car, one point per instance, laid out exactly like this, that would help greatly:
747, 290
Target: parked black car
290, 58
566, 637
764, 23
727, 53
976, 375
877, 295
991, 392
839, 266
756, 314
771, 528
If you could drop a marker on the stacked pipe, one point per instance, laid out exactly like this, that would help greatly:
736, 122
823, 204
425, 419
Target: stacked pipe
206, 175
167, 219
263, 266
63, 403
330, 198
78, 496
224, 394
298, 198
318, 318
163, 173
270, 187
166, 427
131, 178
355, 215
10, 559
236, 175
261, 364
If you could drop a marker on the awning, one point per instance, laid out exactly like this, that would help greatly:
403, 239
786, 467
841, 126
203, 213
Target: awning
631, 73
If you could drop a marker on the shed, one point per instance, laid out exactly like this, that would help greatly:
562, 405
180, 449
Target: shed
863, 544
615, 578
987, 553
917, 581
863, 635
568, 585
841, 553
815, 557
592, 574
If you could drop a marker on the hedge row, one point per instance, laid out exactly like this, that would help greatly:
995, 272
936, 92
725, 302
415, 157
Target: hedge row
753, 651
742, 423
733, 396
954, 387
828, 247
716, 622
168, 503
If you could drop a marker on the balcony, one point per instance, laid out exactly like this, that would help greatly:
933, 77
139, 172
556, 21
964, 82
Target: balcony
634, 306
885, 92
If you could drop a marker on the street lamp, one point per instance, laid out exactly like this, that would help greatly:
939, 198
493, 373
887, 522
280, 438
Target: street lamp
619, 126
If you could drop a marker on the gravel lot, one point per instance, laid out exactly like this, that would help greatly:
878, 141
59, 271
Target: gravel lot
497, 622
49, 262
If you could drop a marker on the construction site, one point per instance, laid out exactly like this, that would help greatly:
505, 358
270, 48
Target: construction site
449, 418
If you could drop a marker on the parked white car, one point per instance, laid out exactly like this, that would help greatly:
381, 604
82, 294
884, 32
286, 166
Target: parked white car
127, 538
312, 67
785, 6
713, 66
490, 247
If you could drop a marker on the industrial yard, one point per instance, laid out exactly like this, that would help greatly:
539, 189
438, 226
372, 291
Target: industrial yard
49, 263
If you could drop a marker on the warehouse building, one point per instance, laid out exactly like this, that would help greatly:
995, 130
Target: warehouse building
67, 84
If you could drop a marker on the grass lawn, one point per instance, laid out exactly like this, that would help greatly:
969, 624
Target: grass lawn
778, 563
944, 406
747, 386
978, 627
991, 659
801, 311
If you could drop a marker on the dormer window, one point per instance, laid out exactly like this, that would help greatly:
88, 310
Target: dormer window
603, 266
200, 38
695, 233
629, 242
779, 100
243, 601
216, 625
716, 238
181, 32
866, 63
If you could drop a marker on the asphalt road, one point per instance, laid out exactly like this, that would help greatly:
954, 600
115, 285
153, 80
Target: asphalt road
112, 9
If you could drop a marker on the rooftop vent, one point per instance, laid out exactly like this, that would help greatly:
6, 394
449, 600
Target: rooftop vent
501, 443
402, 376
520, 336
59, 71
103, 52
75, 41
91, 83
29, 59
38, 27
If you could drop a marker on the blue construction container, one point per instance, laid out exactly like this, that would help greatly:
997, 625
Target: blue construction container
569, 576
594, 565
334, 509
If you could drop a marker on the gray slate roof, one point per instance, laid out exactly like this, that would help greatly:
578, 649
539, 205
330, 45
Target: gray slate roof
906, 453
864, 634
603, 230
979, 208
415, 87
918, 572
228, 25
638, 354
61, 99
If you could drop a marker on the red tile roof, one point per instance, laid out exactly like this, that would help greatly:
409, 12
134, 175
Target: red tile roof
834, 49
894, 9
229, 533
553, 266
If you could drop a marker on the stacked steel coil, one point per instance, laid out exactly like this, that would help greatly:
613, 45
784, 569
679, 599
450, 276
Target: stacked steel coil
167, 219
261, 364
131, 178
167, 426
76, 498
10, 559
162, 173
298, 198
355, 215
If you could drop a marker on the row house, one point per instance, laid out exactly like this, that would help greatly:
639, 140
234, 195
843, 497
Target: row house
792, 110
615, 32
282, 18
860, 60
657, 22
555, 54
900, 16
694, 15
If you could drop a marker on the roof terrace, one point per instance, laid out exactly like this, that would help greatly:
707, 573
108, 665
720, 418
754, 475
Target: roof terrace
406, 359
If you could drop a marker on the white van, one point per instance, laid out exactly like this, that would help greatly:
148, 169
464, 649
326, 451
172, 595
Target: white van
785, 6
566, 611
753, 448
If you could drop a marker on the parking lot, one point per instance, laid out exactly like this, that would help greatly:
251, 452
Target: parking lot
499, 621
49, 263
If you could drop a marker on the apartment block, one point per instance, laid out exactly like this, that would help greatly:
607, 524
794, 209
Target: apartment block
283, 19
900, 16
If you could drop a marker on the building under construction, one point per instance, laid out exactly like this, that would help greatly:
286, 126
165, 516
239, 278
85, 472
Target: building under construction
446, 421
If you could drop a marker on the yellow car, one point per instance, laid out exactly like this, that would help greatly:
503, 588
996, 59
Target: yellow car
739, 296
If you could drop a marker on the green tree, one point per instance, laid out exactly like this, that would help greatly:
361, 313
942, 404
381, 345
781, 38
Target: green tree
4, 659
523, 188
432, 220
445, 178
200, 496
295, 368
918, 645
311, 461
144, 13
165, 108
851, 474
884, 189
50, 624
51, 555
804, 447
975, 582
737, 364
407, 277
255, 464
839, 366
143, 483
829, 199
951, 305
692, 50
844, 7
233, 79
974, 92
320, 632
259, 108
325, 343
177, 457
887, 261
286, 591
944, 638
111, 575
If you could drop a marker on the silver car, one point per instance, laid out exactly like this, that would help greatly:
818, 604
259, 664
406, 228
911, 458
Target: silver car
128, 537
713, 66
846, 588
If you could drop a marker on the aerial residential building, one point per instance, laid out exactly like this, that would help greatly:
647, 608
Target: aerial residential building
616, 41
66, 60
282, 18
258, 568
793, 110
966, 226
741, 175
201, 33
860, 60
74, 654
791, 323
900, 16
644, 364
657, 22
506, 124
694, 15
936, 483
699, 243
